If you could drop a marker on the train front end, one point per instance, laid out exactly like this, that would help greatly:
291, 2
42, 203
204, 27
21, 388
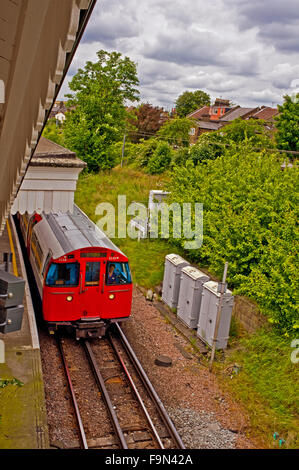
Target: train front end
87, 290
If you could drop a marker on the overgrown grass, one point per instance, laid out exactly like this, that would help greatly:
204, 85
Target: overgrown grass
267, 384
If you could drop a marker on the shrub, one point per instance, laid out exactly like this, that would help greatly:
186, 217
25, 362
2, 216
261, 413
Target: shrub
180, 156
204, 151
160, 159
146, 150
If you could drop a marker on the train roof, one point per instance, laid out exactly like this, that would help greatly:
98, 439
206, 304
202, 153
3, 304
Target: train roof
75, 231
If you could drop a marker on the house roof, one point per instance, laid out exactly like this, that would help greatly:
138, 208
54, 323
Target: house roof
204, 111
213, 126
265, 113
237, 113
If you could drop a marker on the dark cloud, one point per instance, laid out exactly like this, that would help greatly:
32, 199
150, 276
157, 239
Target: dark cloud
110, 23
284, 39
277, 21
262, 12
194, 48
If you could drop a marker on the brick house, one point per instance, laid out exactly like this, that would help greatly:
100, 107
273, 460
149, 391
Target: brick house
212, 118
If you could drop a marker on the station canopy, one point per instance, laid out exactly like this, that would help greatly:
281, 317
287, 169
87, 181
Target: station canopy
37, 41
50, 181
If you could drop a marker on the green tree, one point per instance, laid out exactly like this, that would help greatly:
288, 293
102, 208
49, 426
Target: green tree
54, 131
176, 131
287, 123
98, 118
189, 101
252, 132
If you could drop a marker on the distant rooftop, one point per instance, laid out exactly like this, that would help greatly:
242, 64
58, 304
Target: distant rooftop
213, 126
237, 113
265, 113
204, 111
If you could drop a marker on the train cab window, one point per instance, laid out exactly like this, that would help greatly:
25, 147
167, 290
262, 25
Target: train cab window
63, 275
92, 273
118, 273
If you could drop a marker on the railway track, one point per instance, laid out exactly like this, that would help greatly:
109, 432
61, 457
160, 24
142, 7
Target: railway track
131, 402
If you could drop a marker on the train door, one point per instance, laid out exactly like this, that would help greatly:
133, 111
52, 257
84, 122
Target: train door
90, 288
117, 290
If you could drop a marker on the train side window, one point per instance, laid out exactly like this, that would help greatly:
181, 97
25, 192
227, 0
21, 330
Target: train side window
92, 273
118, 273
36, 250
63, 275
49, 256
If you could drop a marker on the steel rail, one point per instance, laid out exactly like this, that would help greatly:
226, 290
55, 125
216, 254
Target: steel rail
135, 390
157, 401
75, 403
101, 384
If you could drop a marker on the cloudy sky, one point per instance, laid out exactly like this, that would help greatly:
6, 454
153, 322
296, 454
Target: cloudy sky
243, 50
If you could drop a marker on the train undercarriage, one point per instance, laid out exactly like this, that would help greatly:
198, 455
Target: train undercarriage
85, 327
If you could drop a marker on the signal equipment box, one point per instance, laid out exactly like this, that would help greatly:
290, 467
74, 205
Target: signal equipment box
190, 296
172, 278
11, 298
208, 314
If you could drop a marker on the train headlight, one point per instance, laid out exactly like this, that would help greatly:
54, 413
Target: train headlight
69, 298
111, 296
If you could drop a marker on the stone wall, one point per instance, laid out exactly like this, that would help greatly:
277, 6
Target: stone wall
248, 314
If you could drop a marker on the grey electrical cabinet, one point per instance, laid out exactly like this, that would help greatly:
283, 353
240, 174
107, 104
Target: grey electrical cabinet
172, 278
208, 314
11, 298
192, 281
11, 319
11, 290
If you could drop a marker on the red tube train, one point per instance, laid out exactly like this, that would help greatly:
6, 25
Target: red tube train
83, 279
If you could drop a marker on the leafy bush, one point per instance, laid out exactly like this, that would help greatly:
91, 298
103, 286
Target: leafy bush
250, 220
180, 156
146, 151
204, 151
160, 159
115, 152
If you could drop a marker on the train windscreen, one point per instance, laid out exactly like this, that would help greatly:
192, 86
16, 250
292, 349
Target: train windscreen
63, 275
92, 273
118, 273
